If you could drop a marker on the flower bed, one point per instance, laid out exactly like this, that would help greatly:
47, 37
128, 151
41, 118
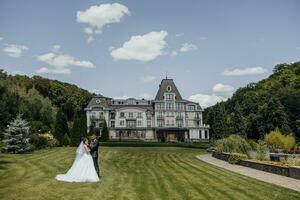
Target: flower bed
293, 172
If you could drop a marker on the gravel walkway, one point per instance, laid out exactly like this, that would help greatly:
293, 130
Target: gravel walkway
283, 181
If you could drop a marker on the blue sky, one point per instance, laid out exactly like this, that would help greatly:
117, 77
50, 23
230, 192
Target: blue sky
124, 48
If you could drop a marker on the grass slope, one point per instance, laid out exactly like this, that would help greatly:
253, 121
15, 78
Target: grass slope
130, 173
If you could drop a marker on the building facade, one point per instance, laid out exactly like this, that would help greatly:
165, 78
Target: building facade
168, 117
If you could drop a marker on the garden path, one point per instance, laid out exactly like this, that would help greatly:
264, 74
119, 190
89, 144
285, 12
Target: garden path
279, 180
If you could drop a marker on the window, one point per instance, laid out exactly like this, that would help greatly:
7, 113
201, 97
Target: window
122, 114
160, 123
139, 115
206, 134
112, 124
191, 107
169, 106
169, 97
131, 124
130, 115
148, 123
139, 123
122, 122
169, 88
179, 123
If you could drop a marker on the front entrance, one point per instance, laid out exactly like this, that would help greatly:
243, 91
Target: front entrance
171, 135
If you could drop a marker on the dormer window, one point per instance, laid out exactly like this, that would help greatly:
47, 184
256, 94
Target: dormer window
169, 97
98, 101
169, 88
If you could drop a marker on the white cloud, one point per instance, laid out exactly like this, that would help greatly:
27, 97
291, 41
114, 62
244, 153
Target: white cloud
1, 38
188, 47
148, 78
245, 71
97, 17
206, 100
142, 47
174, 53
15, 50
46, 70
179, 34
123, 97
223, 90
220, 92
56, 48
96, 91
147, 96
61, 63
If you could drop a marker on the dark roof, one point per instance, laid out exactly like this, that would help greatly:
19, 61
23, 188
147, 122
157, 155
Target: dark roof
163, 88
103, 101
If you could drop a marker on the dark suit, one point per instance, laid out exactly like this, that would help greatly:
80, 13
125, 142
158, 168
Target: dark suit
94, 153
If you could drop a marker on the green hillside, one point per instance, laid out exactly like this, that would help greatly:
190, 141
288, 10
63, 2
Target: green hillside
260, 107
38, 100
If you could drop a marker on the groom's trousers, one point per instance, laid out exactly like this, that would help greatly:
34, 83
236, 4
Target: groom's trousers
95, 159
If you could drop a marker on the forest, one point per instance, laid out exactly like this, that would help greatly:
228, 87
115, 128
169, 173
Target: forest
258, 108
50, 106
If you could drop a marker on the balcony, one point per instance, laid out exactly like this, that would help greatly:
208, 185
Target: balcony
160, 117
97, 118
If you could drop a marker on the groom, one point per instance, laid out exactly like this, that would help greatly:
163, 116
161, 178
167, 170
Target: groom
94, 152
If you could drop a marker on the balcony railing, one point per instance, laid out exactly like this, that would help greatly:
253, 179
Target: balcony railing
160, 117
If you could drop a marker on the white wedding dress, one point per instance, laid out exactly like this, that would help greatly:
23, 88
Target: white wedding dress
82, 170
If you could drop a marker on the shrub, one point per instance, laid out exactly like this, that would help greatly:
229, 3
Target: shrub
253, 144
276, 140
38, 142
233, 144
293, 161
235, 158
261, 150
289, 142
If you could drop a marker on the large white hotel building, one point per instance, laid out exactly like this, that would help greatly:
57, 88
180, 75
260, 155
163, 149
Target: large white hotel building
168, 117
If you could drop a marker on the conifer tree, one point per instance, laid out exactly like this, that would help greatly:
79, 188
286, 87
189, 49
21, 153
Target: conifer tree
17, 136
61, 127
104, 134
79, 129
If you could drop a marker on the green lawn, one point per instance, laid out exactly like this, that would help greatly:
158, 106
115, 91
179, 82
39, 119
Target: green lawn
130, 173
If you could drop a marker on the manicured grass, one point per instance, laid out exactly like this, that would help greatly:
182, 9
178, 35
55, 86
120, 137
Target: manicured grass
130, 173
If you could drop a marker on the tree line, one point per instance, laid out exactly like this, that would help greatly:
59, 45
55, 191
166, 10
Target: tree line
260, 107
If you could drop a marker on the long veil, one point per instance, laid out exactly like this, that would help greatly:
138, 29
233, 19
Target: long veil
79, 152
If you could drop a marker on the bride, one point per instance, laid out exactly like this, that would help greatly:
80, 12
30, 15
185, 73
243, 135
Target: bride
83, 169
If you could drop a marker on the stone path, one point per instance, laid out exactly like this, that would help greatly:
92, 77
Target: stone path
283, 181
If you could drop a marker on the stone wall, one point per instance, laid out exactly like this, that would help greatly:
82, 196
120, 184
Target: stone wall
293, 172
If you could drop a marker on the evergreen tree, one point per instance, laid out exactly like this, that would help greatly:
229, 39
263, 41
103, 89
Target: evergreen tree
219, 122
104, 133
79, 129
66, 140
61, 127
17, 135
239, 123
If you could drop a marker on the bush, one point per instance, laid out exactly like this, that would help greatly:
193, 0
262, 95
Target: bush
276, 140
261, 150
293, 161
40, 141
235, 158
233, 144
253, 144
